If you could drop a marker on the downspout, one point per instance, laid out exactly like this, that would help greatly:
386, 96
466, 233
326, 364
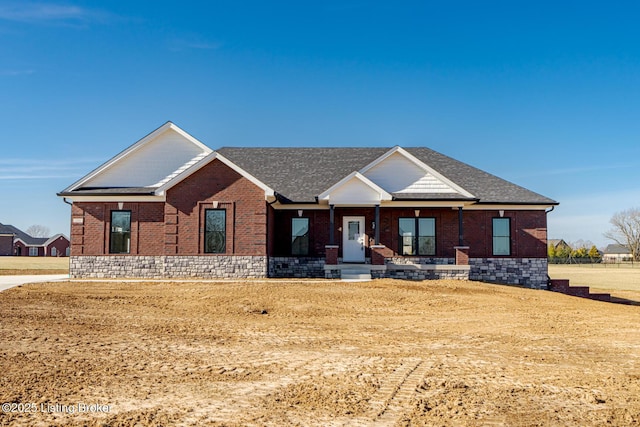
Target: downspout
547, 244
64, 199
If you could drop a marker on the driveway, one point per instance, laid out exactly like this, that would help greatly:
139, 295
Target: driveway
7, 282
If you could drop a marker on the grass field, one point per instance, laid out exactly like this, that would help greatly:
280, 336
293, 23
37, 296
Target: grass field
33, 265
622, 281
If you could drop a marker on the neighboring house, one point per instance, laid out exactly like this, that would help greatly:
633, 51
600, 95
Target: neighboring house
617, 253
169, 206
23, 244
559, 244
6, 243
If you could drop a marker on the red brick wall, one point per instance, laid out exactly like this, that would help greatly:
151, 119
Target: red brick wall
91, 223
528, 230
6, 245
528, 233
243, 201
61, 244
177, 226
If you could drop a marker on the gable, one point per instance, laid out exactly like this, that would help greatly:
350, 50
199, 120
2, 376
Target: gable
149, 164
355, 189
398, 174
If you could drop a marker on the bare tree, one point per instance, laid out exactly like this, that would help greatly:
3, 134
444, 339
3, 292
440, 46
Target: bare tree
626, 230
38, 231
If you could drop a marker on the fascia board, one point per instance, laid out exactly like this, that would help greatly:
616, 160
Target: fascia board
17, 239
420, 164
507, 207
145, 140
384, 195
54, 238
211, 157
116, 198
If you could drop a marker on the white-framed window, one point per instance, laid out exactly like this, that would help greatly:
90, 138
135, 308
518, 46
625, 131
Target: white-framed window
54, 251
33, 251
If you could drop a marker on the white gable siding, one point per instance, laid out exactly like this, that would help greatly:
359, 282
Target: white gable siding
397, 174
354, 192
149, 164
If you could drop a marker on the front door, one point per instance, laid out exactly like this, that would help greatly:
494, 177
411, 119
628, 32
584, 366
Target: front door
353, 239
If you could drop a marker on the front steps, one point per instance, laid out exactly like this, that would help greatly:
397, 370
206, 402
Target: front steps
562, 286
355, 275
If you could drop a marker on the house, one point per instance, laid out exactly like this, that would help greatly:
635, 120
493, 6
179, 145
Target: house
6, 243
617, 253
560, 244
14, 241
169, 206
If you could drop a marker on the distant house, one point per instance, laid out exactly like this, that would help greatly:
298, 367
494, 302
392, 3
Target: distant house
617, 253
169, 206
6, 244
14, 241
559, 244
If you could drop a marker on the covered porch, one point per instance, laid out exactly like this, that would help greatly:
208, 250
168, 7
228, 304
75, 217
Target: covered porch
374, 232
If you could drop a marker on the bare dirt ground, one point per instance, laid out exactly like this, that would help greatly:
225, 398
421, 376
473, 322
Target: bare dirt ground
381, 353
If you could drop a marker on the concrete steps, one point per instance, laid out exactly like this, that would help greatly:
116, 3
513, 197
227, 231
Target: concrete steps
355, 275
562, 286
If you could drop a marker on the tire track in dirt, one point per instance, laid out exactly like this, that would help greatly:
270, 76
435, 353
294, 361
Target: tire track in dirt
393, 398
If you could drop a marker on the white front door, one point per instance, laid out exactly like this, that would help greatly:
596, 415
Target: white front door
353, 239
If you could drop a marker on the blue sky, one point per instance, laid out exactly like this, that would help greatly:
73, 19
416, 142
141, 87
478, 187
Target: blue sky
544, 94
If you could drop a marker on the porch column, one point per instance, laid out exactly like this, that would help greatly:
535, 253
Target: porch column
377, 225
460, 229
331, 225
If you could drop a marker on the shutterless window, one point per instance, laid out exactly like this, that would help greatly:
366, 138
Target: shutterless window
300, 236
417, 236
33, 251
501, 236
215, 231
120, 238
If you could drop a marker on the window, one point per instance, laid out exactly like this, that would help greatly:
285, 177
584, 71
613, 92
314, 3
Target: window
54, 252
417, 236
120, 237
33, 251
215, 231
501, 236
300, 236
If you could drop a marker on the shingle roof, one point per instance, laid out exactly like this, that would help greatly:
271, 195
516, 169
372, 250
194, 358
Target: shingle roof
616, 249
300, 174
27, 239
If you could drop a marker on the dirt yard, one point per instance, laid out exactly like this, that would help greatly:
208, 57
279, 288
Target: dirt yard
381, 353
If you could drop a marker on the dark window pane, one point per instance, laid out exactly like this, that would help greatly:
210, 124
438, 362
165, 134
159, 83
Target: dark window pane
426, 236
300, 236
120, 236
407, 227
215, 231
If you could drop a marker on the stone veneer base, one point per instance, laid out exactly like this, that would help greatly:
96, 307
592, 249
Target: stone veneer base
528, 272
168, 267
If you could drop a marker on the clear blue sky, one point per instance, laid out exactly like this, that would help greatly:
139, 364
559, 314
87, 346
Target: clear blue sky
544, 94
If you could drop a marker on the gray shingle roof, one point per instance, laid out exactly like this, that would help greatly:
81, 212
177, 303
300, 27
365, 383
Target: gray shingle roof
616, 249
27, 239
300, 174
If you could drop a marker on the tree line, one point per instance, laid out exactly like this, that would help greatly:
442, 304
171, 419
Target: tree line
564, 254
